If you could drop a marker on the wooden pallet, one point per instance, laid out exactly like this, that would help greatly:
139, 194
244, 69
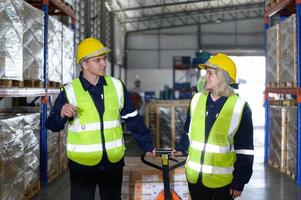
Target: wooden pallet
33, 83
53, 84
32, 191
11, 83
272, 84
287, 84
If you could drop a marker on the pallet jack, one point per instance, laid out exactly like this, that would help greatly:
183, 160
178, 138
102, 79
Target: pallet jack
165, 154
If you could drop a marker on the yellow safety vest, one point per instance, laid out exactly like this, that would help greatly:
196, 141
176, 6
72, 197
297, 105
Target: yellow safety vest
84, 143
218, 152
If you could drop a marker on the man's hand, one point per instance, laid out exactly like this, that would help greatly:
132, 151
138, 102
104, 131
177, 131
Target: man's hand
235, 193
151, 153
68, 110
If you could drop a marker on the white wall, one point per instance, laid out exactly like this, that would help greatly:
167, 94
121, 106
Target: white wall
155, 49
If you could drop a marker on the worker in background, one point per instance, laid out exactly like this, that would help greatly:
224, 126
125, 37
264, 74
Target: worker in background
93, 106
137, 96
218, 136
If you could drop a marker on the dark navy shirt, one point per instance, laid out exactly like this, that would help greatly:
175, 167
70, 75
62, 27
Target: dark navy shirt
133, 121
243, 139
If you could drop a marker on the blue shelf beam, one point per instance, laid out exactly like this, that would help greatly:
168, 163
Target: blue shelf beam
43, 140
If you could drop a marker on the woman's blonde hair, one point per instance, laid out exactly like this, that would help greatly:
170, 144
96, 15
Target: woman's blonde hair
223, 88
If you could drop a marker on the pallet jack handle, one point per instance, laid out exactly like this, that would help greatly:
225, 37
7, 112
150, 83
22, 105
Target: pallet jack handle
165, 168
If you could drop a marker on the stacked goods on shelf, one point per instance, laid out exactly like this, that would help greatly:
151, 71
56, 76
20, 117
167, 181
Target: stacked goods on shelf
291, 129
55, 32
19, 155
273, 55
33, 46
11, 157
276, 153
283, 138
22, 47
68, 61
31, 131
166, 119
11, 34
282, 54
288, 52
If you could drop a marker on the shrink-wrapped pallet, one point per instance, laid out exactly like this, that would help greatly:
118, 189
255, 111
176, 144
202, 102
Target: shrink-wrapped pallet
11, 157
273, 55
68, 55
275, 136
291, 117
55, 31
166, 119
33, 43
11, 39
31, 150
288, 52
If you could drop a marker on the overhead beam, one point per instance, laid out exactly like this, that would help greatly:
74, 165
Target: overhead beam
158, 5
197, 12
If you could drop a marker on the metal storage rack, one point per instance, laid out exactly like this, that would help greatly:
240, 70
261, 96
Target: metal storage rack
285, 7
184, 67
57, 7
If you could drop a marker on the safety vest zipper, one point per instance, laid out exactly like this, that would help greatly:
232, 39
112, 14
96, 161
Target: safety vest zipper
101, 127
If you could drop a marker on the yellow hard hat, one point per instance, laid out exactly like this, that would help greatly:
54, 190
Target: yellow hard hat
223, 62
90, 47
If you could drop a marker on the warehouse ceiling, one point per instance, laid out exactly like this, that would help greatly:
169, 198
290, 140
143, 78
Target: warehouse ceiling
143, 15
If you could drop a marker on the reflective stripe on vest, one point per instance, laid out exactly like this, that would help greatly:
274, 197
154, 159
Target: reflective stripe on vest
84, 143
218, 152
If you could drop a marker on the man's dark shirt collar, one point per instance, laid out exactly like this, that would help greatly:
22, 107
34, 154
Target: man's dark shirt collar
86, 84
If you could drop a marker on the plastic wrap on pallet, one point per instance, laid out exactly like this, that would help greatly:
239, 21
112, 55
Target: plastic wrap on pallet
181, 114
33, 43
169, 126
275, 135
31, 149
12, 157
273, 54
68, 55
288, 51
11, 39
55, 31
165, 127
53, 154
291, 139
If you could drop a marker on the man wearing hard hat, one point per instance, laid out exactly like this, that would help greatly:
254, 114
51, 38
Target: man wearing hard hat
93, 106
218, 136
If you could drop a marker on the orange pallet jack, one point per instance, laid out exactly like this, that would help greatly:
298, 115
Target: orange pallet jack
165, 154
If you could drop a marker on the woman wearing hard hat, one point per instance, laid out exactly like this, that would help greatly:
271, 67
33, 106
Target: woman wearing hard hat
218, 136
93, 105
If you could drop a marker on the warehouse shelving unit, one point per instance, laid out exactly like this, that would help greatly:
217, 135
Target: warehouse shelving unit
286, 7
50, 7
184, 67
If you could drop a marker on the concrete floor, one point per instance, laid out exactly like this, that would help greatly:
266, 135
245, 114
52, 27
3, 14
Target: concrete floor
266, 183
